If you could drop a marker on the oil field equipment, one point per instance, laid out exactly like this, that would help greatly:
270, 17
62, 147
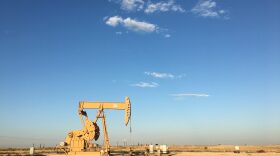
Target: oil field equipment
79, 142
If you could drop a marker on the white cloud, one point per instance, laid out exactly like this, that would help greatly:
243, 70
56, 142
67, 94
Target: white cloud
118, 33
189, 94
167, 35
113, 21
164, 75
131, 5
207, 8
221, 11
148, 7
132, 24
163, 6
160, 75
138, 25
146, 85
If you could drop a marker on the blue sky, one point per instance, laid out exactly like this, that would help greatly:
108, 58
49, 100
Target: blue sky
197, 71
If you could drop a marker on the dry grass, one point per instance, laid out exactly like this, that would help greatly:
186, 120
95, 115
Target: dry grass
224, 154
213, 150
227, 148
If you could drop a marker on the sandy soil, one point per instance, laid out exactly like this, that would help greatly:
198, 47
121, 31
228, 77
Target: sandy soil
224, 154
210, 150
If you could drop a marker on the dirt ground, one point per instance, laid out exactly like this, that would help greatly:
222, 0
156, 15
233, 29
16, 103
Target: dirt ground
224, 154
187, 150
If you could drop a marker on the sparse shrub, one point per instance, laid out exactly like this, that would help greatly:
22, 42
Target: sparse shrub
261, 151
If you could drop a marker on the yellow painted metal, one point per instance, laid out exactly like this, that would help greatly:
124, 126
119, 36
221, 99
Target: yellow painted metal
80, 141
80, 154
109, 105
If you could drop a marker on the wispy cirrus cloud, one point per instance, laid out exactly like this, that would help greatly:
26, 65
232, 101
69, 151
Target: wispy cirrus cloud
163, 6
190, 94
163, 75
208, 8
119, 33
167, 35
159, 75
131, 24
146, 85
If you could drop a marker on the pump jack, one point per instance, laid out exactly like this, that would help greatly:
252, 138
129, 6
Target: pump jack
79, 142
